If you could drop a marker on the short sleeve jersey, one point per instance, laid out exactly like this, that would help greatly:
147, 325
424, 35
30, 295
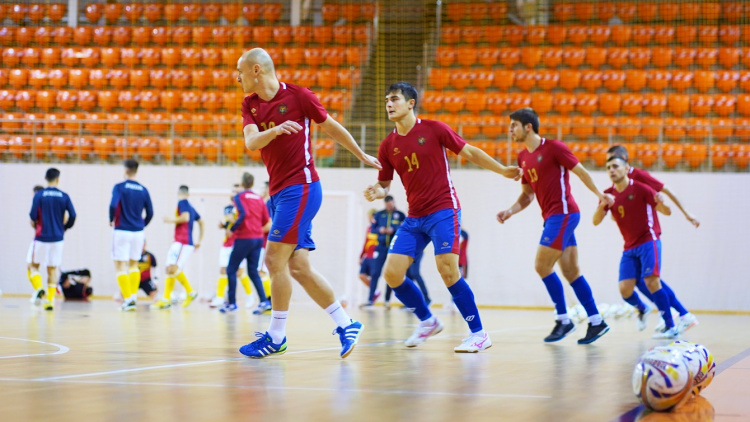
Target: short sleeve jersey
252, 215
48, 212
229, 210
183, 232
640, 175
634, 211
546, 169
421, 162
288, 158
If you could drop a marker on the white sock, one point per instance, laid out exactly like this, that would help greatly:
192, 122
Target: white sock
339, 314
134, 297
595, 319
277, 329
429, 321
479, 333
563, 318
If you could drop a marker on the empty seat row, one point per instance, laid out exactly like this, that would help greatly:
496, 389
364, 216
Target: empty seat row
664, 11
590, 80
619, 35
191, 12
173, 56
163, 78
35, 13
169, 100
181, 35
616, 57
586, 103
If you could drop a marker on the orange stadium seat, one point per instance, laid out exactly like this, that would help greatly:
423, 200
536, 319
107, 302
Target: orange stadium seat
141, 35
471, 34
654, 104
150, 57
160, 78
450, 34
678, 104
330, 12
348, 77
466, 56
721, 128
191, 12
531, 56
518, 100
628, 127
647, 153
476, 102
695, 154
190, 100
584, 11
606, 128
551, 57
651, 127
504, 79
573, 56
536, 34
727, 80
591, 80
513, 34
353, 56
470, 127
461, 79
112, 12
647, 12
45, 100
66, 100
483, 79
559, 126
119, 78
93, 12
43, 36
509, 56
563, 102
674, 128
68, 57
272, 12
445, 56
153, 12
493, 128
733, 11
40, 145
541, 102
720, 155
210, 149
682, 79
94, 122
741, 155
181, 78
618, 57
710, 11
86, 100
609, 103
635, 80
222, 78
525, 79
709, 35
158, 123
189, 56
663, 34
252, 12
580, 150
161, 36
562, 11
626, 11
556, 34
729, 57
313, 56
662, 56
598, 150
102, 36
107, 100
282, 35
613, 80
587, 103
38, 78
181, 35
579, 35
701, 104
24, 36
121, 36
128, 100
640, 57
149, 100
686, 34
658, 79
729, 34
130, 57
706, 57
25, 100
110, 57
31, 56
432, 101
724, 104
690, 11
570, 79
684, 57
322, 34
582, 126
497, 103
606, 11
704, 80
58, 78
632, 104
546, 79
600, 34
454, 103
621, 34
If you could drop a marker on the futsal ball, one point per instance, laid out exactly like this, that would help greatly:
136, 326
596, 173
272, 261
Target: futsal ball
707, 365
662, 379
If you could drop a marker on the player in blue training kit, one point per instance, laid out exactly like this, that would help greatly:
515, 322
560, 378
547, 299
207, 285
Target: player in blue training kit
129, 200
48, 220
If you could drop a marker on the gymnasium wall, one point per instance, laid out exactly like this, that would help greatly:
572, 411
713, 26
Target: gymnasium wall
703, 265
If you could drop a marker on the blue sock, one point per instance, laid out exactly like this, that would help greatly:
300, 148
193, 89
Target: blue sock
556, 293
583, 293
641, 285
464, 300
673, 302
635, 301
410, 295
662, 302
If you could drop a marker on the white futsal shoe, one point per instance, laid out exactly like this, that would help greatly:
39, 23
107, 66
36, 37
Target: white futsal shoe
422, 332
474, 343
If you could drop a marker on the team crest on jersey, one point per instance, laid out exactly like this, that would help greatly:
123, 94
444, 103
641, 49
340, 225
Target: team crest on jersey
630, 197
539, 158
421, 140
396, 151
283, 108
445, 245
253, 110
276, 232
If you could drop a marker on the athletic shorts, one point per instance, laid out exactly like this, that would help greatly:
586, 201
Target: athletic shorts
642, 261
179, 254
127, 245
147, 286
77, 291
442, 228
559, 231
292, 212
224, 254
48, 254
366, 267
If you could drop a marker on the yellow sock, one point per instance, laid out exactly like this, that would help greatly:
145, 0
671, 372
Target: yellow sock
124, 282
266, 284
182, 278
135, 280
245, 280
221, 287
36, 281
51, 291
168, 287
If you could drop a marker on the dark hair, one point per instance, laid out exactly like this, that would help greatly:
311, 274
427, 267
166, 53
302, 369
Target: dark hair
619, 151
247, 180
52, 174
388, 198
617, 157
525, 116
409, 92
183, 189
131, 165
37, 188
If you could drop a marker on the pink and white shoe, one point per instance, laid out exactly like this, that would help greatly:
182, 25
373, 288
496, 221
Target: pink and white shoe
474, 343
423, 331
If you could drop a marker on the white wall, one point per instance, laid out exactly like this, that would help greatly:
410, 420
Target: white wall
704, 266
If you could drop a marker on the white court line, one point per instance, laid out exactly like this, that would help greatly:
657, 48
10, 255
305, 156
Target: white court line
61, 349
288, 388
177, 365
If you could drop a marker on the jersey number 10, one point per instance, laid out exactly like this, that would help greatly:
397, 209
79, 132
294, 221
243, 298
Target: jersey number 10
270, 125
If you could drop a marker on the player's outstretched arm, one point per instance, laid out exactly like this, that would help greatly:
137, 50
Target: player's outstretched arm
661, 206
694, 221
255, 139
200, 233
377, 191
585, 177
345, 139
601, 211
182, 218
523, 201
482, 159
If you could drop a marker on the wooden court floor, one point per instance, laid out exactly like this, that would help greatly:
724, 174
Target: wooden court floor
89, 362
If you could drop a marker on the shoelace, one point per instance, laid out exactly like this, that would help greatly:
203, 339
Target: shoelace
261, 337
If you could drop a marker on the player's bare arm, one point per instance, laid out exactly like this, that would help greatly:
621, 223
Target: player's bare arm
585, 177
255, 139
482, 159
267, 226
345, 139
694, 221
523, 201
601, 211
182, 218
200, 234
661, 206
377, 191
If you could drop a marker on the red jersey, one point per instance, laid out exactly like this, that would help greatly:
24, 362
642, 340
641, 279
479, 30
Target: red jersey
183, 232
546, 169
229, 210
420, 160
634, 211
288, 158
252, 215
640, 175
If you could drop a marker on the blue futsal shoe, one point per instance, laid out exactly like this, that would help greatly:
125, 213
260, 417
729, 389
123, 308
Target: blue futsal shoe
349, 336
263, 347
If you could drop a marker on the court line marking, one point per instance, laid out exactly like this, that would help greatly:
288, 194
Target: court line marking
178, 365
61, 349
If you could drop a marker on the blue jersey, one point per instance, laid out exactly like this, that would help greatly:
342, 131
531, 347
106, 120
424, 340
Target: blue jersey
183, 232
384, 218
129, 199
48, 212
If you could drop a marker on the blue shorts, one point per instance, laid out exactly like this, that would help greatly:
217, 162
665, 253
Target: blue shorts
292, 210
442, 228
366, 267
642, 261
559, 231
